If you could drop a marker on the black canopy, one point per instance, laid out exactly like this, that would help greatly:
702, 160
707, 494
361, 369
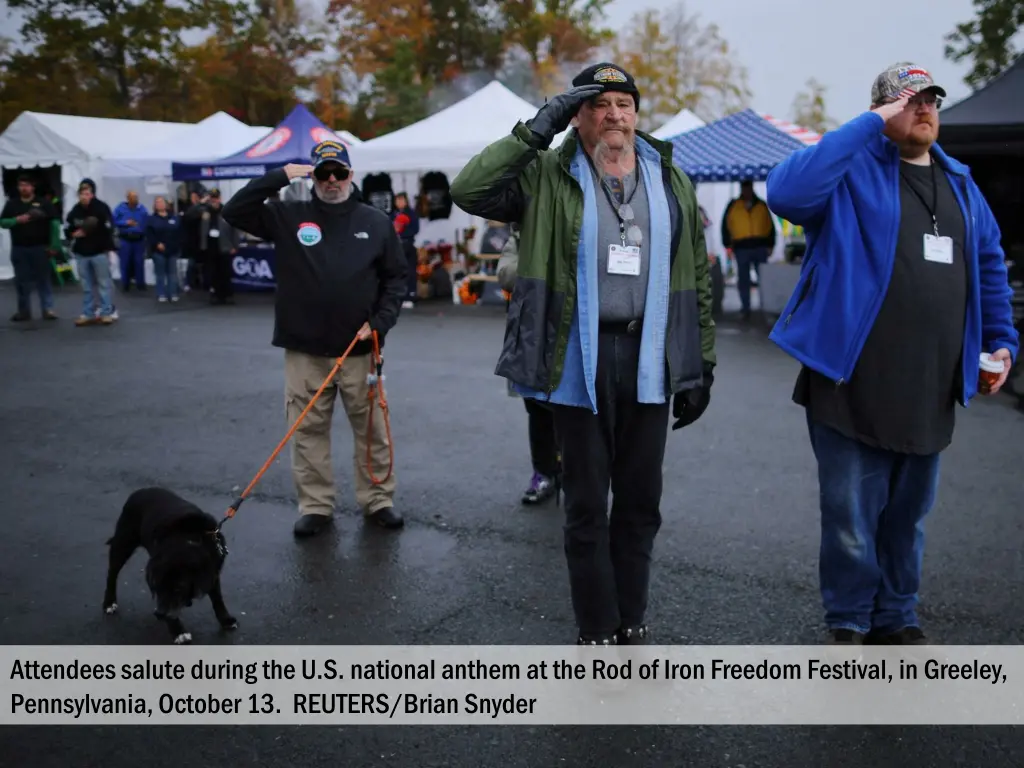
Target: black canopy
989, 121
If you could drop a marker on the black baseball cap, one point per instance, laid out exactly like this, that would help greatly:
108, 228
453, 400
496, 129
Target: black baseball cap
330, 152
611, 77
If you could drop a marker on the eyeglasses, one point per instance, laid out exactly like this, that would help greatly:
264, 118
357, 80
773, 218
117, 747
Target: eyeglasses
927, 99
325, 172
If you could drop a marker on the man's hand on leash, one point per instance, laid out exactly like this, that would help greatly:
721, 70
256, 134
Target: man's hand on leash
365, 332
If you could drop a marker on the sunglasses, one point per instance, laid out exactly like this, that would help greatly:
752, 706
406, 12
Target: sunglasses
324, 172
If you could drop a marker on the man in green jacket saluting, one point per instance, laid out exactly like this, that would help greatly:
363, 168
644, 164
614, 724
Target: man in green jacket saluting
609, 322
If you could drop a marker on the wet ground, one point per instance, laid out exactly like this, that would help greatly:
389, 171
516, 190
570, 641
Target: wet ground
190, 396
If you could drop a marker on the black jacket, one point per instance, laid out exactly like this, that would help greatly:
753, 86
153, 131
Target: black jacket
338, 266
98, 223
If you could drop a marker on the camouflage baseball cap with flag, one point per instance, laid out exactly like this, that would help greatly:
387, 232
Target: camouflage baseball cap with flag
903, 79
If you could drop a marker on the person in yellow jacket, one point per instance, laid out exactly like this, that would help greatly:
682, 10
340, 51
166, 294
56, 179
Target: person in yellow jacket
748, 234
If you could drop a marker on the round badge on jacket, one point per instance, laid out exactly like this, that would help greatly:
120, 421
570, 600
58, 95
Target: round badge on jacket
309, 233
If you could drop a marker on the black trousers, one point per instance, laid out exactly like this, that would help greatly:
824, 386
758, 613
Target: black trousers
217, 267
543, 442
620, 448
411, 278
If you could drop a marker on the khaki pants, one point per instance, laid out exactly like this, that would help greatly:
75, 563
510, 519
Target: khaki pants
311, 443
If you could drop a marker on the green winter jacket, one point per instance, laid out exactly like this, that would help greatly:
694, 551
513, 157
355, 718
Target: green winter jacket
512, 181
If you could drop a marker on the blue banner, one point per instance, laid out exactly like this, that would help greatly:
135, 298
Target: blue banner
252, 268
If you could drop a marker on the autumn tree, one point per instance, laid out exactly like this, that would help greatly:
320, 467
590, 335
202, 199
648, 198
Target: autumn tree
809, 109
987, 40
115, 46
555, 38
258, 59
680, 63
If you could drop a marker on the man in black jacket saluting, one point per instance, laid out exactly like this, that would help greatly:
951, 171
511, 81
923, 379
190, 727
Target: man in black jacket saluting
340, 272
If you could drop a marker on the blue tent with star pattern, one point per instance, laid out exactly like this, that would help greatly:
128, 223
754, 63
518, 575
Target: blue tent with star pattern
741, 147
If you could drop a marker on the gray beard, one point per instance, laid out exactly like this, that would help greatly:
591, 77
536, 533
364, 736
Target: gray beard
614, 162
333, 198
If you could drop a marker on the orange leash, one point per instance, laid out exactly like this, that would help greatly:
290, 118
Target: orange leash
266, 465
375, 383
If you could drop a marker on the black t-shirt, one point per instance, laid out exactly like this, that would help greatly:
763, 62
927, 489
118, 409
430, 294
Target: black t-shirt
903, 392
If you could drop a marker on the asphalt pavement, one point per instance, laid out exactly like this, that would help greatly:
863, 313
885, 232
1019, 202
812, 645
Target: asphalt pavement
191, 396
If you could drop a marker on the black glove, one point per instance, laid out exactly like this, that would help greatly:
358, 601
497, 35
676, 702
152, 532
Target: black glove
555, 116
690, 405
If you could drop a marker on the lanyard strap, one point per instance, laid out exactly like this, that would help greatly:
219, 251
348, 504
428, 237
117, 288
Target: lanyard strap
617, 207
934, 207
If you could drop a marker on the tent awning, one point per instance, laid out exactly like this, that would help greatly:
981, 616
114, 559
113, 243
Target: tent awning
291, 141
217, 135
742, 146
450, 138
47, 139
1000, 103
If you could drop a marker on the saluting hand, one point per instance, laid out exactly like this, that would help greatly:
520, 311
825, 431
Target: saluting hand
297, 171
888, 111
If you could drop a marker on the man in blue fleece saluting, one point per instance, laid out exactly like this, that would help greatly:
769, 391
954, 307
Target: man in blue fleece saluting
903, 289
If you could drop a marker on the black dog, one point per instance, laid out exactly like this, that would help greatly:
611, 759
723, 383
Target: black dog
186, 554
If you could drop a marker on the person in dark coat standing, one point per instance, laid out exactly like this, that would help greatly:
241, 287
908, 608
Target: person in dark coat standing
407, 225
340, 278
28, 217
163, 233
90, 225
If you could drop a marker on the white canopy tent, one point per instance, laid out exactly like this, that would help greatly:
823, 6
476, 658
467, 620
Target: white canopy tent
147, 169
216, 136
75, 148
445, 141
683, 121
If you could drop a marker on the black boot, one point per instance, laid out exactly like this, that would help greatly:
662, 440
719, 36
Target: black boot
311, 525
387, 518
633, 635
610, 640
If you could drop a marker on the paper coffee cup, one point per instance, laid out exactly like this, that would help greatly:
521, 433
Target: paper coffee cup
990, 371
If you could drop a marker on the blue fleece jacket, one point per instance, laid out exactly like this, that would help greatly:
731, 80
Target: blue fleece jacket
845, 192
138, 214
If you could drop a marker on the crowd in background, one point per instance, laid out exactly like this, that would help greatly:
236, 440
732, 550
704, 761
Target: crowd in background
188, 241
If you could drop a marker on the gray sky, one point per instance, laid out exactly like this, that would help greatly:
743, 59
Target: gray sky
843, 44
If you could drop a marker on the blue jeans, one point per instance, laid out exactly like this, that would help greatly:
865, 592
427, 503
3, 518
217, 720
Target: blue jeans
133, 260
745, 259
165, 265
94, 272
31, 272
873, 506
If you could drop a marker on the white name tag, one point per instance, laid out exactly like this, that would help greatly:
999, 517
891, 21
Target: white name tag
214, 233
938, 249
623, 260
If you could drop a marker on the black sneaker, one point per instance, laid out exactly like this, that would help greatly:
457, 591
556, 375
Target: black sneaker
541, 489
905, 636
844, 637
20, 317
